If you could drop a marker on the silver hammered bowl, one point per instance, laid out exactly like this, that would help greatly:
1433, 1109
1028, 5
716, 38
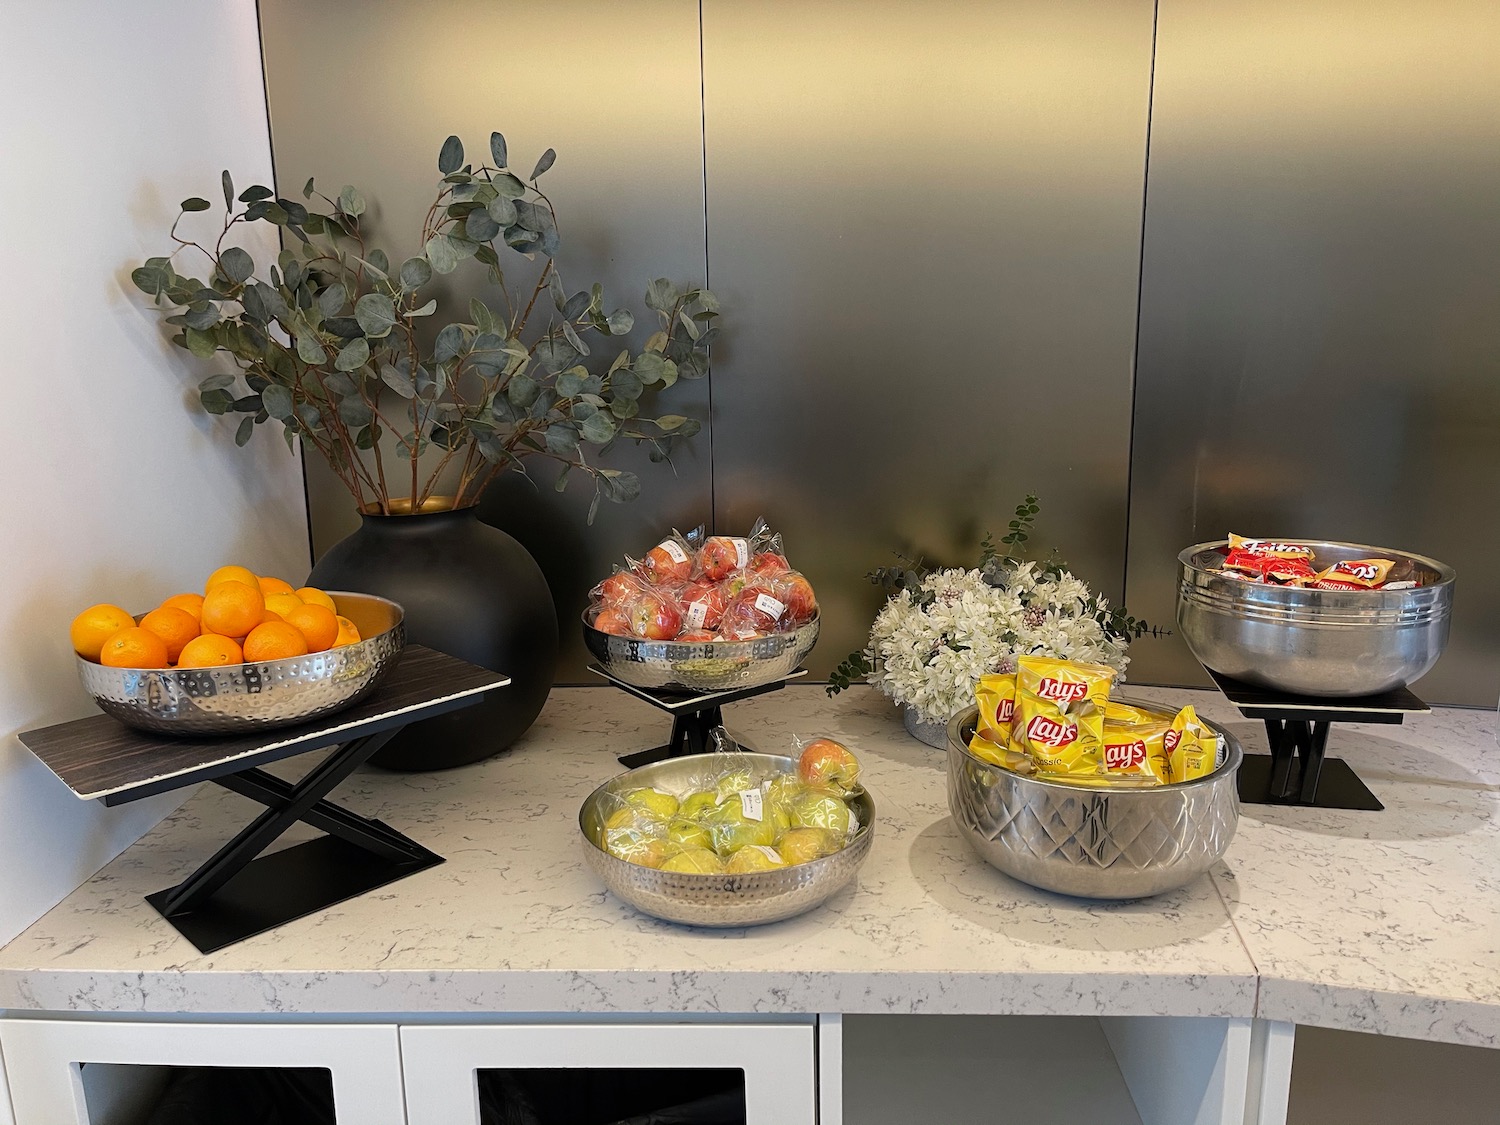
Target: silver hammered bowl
1092, 843
719, 900
1340, 643
242, 698
701, 666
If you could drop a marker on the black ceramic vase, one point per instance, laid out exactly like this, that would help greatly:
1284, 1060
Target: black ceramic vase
469, 590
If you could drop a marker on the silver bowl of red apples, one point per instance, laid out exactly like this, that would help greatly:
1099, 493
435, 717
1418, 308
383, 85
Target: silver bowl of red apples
700, 614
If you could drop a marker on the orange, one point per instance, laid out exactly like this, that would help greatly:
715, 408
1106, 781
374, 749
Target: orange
210, 651
270, 585
174, 626
282, 603
231, 574
275, 640
348, 634
271, 615
320, 626
190, 603
232, 609
313, 596
134, 648
94, 626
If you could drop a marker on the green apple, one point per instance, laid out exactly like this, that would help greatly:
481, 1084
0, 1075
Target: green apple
732, 830
689, 833
695, 805
753, 858
653, 801
694, 861
803, 845
820, 810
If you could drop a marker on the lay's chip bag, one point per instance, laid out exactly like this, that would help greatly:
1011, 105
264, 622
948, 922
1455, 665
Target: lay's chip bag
996, 696
1059, 717
1137, 751
1192, 748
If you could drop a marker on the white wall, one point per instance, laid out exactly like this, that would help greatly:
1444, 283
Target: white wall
117, 488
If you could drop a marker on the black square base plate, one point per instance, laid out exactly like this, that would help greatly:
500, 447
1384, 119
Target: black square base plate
286, 885
1338, 786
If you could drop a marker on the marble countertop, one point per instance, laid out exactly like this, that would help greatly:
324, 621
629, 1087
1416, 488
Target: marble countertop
1385, 922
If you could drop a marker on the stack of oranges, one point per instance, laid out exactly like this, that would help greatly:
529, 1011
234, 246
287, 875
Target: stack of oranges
240, 617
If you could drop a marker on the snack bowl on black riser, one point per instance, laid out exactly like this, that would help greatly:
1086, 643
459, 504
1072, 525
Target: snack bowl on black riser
264, 695
1334, 643
704, 666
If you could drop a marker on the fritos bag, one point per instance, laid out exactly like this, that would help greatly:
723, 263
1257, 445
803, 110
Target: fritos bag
996, 695
1269, 548
1059, 718
1355, 574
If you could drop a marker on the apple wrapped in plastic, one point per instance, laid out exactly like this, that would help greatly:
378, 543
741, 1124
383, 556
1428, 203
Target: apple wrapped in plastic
722, 556
756, 612
669, 561
654, 616
702, 605
826, 764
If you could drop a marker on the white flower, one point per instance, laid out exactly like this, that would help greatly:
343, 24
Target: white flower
930, 646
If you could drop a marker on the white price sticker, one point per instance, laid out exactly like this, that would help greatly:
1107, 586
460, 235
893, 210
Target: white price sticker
741, 552
697, 614
752, 805
769, 605
674, 548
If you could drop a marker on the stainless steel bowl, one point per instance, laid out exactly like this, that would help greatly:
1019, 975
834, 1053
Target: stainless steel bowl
1314, 642
1092, 843
719, 900
705, 666
240, 698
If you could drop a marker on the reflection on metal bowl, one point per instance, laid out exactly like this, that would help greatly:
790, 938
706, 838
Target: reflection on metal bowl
1340, 643
719, 900
242, 698
1092, 843
701, 666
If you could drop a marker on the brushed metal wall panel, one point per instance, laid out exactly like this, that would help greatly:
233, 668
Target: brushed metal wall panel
926, 218
364, 91
1320, 321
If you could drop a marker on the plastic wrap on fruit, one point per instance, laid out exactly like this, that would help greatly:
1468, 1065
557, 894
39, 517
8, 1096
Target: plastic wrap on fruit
767, 554
1355, 574
803, 845
753, 858
723, 556
819, 809
1135, 752
758, 610
825, 763
1192, 747
702, 604
671, 560
694, 861
635, 834
740, 821
1059, 719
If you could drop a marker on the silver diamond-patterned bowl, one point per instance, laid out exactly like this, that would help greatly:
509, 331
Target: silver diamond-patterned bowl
1092, 843
719, 900
703, 665
240, 698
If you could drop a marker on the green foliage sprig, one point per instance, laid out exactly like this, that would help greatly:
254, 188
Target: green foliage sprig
332, 341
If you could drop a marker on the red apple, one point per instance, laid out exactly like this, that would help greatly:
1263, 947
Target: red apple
612, 621
756, 611
702, 605
655, 617
768, 564
797, 592
619, 588
827, 764
697, 636
668, 561
723, 555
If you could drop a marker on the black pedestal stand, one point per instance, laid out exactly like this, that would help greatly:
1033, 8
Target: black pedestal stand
234, 894
694, 714
1297, 771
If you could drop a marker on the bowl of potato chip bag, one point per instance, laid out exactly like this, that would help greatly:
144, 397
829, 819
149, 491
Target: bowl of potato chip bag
1060, 785
1311, 617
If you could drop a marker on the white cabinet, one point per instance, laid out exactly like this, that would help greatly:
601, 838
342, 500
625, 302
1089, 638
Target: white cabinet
45, 1064
442, 1064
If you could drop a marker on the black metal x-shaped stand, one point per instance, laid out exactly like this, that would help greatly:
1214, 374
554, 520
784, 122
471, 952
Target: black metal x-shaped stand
239, 891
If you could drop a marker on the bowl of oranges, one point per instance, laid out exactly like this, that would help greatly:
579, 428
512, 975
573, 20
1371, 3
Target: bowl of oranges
249, 653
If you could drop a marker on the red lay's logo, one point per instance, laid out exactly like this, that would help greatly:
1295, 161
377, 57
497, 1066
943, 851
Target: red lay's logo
1049, 732
1124, 755
1062, 691
1005, 710
1171, 739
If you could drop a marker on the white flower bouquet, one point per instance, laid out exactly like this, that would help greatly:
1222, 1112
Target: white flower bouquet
941, 630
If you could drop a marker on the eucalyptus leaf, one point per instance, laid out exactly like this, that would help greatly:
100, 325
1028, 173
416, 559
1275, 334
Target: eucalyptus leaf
451, 156
398, 381
148, 280
354, 411
219, 381
332, 300
548, 159
522, 390
257, 191
415, 273
205, 318
352, 356
597, 428
277, 401
351, 202
246, 427
575, 306
216, 401
309, 350
441, 253
555, 355
480, 226
571, 381
236, 264
620, 322
307, 188
450, 342
201, 344
193, 203
426, 310
571, 335
669, 422
562, 439
651, 367
502, 210
626, 384
228, 184
509, 186
497, 149
661, 295
622, 486
687, 322
376, 314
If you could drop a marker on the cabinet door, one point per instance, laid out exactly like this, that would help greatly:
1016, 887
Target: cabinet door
45, 1062
773, 1064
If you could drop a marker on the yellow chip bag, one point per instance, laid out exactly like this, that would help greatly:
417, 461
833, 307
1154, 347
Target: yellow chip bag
1136, 750
1059, 719
1123, 713
1270, 548
996, 696
1192, 748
